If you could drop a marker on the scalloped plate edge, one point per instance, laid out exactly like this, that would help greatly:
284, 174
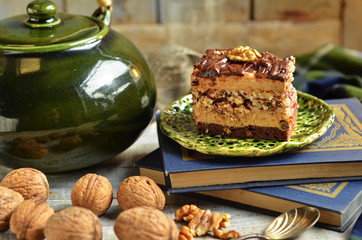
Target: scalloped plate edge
253, 152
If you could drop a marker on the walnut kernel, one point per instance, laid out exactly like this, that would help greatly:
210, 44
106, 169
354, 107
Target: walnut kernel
73, 223
202, 221
9, 200
244, 54
29, 218
145, 223
29, 182
93, 192
140, 191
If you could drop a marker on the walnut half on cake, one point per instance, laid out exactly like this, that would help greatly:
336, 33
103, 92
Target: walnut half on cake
242, 93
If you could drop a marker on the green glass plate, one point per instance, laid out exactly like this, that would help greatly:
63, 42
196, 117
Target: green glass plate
314, 119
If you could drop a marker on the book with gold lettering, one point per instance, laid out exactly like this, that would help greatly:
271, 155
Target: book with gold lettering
340, 203
336, 156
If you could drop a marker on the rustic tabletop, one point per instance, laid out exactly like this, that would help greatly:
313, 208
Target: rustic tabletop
121, 167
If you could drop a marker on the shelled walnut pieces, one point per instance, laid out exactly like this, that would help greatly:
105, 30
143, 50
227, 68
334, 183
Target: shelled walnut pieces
73, 223
9, 200
93, 192
145, 223
140, 191
201, 222
29, 182
29, 218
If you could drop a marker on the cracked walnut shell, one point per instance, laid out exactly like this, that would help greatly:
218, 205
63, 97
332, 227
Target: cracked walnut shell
137, 191
29, 182
145, 223
93, 192
73, 223
29, 219
9, 200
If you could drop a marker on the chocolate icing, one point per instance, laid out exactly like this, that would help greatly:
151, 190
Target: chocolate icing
269, 66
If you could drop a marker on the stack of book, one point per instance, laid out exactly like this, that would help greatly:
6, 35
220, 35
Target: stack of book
326, 174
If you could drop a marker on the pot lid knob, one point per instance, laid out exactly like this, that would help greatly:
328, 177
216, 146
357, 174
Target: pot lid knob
42, 14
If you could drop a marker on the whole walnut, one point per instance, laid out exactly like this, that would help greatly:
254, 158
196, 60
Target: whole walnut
29, 219
73, 223
29, 182
26, 147
68, 143
93, 192
140, 191
9, 200
145, 223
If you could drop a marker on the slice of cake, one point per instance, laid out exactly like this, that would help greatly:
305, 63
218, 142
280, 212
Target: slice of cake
242, 93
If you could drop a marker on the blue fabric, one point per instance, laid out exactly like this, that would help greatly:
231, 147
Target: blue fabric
330, 72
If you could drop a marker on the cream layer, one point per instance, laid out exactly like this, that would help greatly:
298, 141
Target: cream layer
243, 118
247, 83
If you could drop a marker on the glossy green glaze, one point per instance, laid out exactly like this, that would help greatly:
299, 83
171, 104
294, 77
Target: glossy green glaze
90, 102
74, 31
41, 10
314, 119
42, 30
42, 14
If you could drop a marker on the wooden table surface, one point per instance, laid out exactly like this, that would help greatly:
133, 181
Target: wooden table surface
121, 167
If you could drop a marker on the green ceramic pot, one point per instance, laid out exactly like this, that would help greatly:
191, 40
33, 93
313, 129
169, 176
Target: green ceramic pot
73, 92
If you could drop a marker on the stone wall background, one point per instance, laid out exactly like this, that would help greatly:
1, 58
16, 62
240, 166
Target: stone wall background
284, 27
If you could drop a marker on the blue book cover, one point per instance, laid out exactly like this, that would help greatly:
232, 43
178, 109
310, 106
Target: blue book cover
340, 203
336, 156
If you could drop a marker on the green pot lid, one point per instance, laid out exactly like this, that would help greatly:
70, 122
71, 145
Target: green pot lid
44, 30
